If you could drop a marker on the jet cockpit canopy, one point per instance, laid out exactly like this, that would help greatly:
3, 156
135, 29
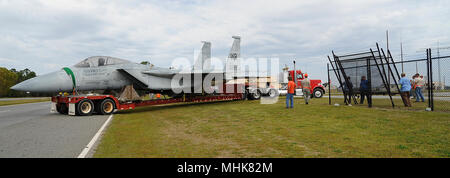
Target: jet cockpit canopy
97, 61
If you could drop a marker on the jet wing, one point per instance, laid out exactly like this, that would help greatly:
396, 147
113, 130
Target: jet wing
129, 74
160, 73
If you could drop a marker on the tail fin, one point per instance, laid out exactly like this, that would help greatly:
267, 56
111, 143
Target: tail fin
235, 51
204, 59
233, 62
206, 55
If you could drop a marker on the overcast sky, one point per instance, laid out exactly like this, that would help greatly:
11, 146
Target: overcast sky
47, 35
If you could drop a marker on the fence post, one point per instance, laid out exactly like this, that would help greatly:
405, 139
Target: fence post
329, 83
431, 77
428, 78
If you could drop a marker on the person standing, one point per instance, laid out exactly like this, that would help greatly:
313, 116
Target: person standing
347, 88
306, 88
413, 86
364, 89
419, 83
405, 89
290, 94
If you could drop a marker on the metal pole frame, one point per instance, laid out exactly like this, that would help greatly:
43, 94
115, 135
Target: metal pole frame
388, 85
389, 70
334, 70
369, 81
337, 68
329, 82
383, 78
395, 67
335, 73
428, 78
345, 78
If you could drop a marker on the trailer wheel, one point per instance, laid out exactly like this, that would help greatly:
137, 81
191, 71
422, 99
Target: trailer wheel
106, 107
256, 95
85, 107
318, 93
62, 108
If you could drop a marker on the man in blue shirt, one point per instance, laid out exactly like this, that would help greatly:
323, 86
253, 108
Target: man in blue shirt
364, 89
404, 90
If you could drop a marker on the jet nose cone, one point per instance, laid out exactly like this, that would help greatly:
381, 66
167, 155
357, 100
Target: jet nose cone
52, 82
18, 87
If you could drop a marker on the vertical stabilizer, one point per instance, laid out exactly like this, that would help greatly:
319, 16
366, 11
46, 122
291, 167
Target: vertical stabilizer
203, 61
235, 51
233, 61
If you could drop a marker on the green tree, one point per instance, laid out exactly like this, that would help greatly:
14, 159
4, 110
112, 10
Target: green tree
25, 75
7, 80
145, 62
22, 75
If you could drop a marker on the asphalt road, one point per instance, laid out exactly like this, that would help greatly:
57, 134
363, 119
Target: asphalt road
31, 130
11, 99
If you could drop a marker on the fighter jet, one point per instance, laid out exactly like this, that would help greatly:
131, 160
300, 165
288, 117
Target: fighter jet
112, 74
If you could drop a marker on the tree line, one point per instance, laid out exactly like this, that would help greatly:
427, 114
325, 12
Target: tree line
9, 78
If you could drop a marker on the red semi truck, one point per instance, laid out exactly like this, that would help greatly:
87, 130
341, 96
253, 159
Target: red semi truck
318, 90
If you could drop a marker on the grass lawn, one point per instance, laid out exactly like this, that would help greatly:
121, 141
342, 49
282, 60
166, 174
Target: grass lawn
23, 101
439, 105
251, 129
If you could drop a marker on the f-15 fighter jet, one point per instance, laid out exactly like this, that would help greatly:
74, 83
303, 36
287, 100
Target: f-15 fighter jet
110, 73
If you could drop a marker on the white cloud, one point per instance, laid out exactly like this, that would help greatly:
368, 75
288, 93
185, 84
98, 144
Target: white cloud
66, 31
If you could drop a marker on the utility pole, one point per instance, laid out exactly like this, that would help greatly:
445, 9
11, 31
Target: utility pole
387, 47
439, 65
401, 54
417, 71
295, 74
387, 39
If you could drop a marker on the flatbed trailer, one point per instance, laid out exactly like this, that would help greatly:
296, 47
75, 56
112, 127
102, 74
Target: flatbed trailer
84, 105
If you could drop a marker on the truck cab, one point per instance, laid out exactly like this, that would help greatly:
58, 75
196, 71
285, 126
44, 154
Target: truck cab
317, 89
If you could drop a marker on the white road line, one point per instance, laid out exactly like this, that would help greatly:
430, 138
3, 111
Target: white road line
89, 146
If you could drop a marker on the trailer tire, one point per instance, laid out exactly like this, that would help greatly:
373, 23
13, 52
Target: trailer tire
106, 107
62, 108
85, 107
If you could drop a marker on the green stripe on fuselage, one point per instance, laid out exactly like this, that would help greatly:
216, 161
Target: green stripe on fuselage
69, 72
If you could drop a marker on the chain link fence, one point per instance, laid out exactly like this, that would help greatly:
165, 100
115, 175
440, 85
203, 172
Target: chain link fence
440, 76
432, 68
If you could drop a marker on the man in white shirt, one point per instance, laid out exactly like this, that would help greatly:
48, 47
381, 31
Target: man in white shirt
418, 84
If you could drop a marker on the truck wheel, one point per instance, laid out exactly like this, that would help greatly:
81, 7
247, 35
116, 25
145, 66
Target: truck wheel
85, 107
318, 93
62, 108
256, 95
106, 107
273, 93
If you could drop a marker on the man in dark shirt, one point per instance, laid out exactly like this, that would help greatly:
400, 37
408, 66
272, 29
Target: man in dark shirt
364, 89
347, 88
